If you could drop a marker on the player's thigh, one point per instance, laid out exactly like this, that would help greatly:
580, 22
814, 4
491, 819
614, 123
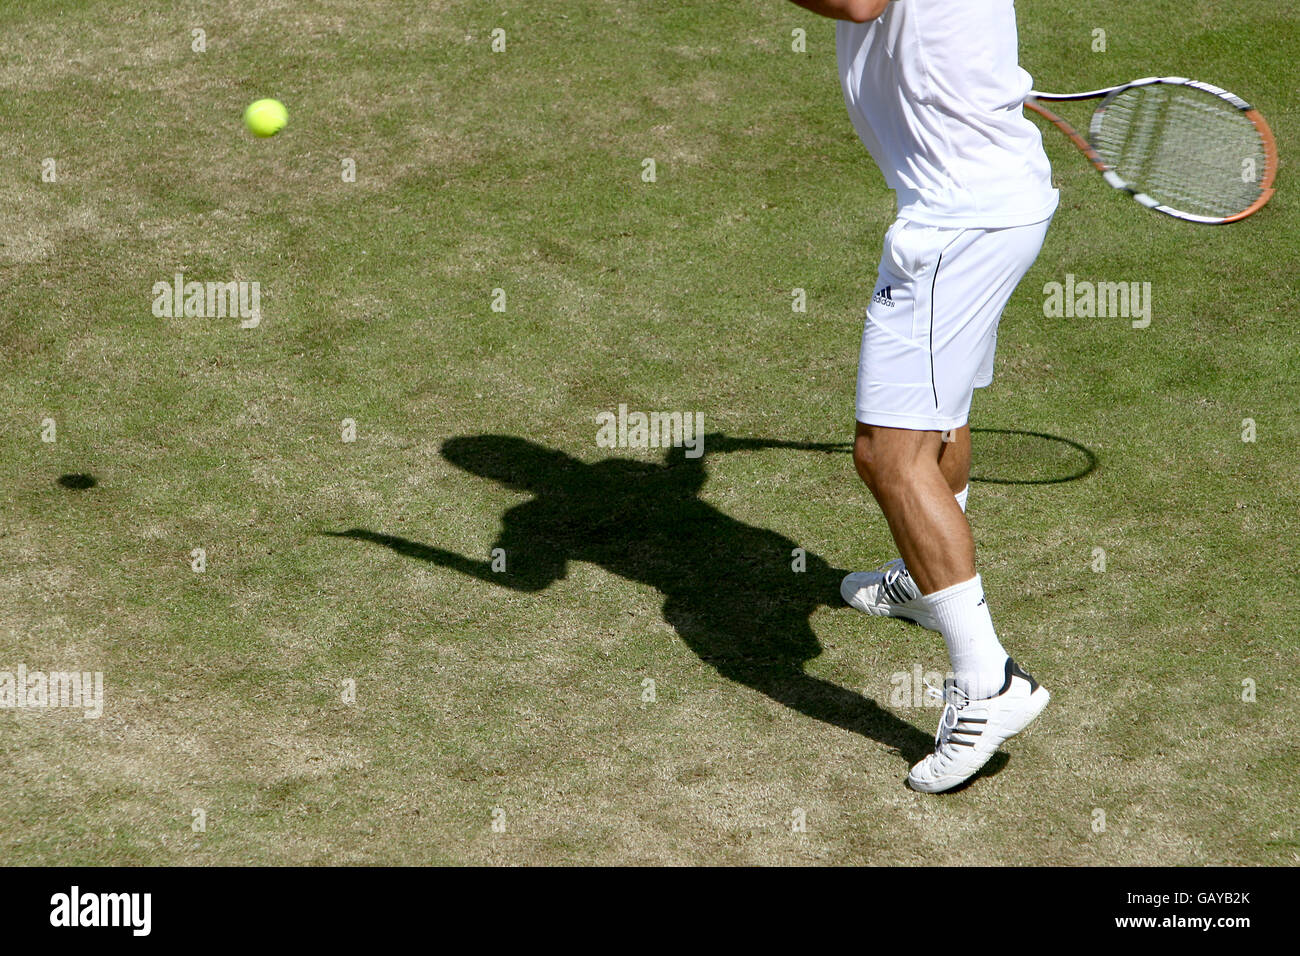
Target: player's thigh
881, 452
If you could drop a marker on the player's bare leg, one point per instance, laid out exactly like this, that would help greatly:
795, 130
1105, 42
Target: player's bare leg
989, 698
901, 467
954, 459
889, 591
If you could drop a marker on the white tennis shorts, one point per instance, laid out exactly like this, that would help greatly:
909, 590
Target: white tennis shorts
932, 325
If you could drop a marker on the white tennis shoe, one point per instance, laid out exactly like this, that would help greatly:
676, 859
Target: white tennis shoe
888, 591
970, 731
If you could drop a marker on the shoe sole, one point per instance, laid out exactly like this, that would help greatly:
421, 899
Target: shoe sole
947, 783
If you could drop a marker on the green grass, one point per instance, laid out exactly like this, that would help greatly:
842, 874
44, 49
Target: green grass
523, 691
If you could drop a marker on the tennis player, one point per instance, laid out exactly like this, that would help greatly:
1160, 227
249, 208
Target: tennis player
935, 92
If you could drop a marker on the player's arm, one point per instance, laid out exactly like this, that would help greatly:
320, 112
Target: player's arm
541, 564
859, 11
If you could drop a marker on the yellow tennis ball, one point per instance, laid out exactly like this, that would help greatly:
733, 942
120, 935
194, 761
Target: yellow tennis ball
265, 117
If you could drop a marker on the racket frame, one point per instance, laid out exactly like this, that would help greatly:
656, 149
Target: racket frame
1036, 98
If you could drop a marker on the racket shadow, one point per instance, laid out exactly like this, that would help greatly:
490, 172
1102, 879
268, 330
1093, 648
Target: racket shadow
1001, 451
1006, 456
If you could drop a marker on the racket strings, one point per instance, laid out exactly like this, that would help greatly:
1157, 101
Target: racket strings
1187, 149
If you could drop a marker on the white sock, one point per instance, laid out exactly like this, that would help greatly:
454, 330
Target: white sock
978, 660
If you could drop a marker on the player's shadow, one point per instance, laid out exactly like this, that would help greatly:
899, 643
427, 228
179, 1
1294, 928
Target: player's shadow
729, 588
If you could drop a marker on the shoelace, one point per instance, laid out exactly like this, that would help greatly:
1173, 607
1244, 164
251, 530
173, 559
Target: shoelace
898, 584
951, 721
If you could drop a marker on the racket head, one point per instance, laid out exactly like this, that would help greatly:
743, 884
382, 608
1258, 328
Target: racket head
1185, 148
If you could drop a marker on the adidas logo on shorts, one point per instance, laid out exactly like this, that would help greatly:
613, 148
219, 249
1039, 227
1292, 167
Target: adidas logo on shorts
884, 296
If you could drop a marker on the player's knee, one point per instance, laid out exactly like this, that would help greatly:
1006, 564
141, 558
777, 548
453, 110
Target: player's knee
883, 466
867, 461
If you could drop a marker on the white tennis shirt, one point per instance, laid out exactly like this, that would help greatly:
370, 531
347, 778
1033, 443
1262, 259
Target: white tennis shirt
935, 92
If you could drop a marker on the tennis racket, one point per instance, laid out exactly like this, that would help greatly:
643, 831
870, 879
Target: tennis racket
1178, 146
